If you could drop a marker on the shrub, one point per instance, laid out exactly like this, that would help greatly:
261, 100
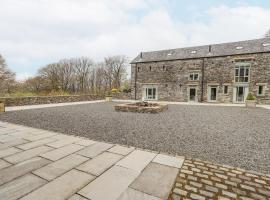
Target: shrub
250, 96
114, 90
108, 94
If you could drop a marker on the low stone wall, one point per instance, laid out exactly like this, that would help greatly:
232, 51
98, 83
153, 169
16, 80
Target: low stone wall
136, 107
21, 101
122, 95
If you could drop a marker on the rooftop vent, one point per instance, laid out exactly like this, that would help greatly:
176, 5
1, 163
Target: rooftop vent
266, 44
239, 47
193, 52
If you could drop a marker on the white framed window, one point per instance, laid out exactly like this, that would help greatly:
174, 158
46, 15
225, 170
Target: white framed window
193, 76
260, 90
150, 93
242, 74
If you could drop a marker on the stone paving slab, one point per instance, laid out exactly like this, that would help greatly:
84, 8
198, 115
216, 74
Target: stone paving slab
36, 143
25, 155
84, 142
77, 197
63, 142
95, 149
169, 160
55, 169
121, 150
161, 176
14, 171
136, 195
99, 164
61, 152
39, 136
8, 152
14, 142
3, 164
109, 185
62, 187
137, 160
20, 187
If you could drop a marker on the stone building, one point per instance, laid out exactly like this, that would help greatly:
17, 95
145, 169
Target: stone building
211, 73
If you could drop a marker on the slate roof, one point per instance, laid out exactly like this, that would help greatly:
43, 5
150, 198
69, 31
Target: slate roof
215, 50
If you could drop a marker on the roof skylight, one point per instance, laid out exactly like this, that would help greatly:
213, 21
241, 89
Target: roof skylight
193, 52
239, 47
266, 44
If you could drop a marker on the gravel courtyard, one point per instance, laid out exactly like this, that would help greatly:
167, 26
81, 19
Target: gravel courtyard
227, 135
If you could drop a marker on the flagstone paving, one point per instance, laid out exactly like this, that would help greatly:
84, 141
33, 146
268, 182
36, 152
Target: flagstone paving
44, 165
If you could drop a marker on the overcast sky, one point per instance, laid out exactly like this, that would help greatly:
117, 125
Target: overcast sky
34, 33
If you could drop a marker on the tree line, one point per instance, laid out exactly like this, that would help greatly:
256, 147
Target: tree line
73, 76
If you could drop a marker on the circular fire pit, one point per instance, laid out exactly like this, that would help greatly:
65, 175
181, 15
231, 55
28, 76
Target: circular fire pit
141, 107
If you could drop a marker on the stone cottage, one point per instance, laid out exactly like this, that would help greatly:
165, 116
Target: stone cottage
211, 73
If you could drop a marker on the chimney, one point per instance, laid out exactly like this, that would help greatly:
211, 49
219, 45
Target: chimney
141, 55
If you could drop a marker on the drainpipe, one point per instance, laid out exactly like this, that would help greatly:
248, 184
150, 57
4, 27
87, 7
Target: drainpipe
135, 84
202, 82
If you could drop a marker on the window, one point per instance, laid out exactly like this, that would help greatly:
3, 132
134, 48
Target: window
138, 69
150, 93
193, 76
164, 68
260, 91
239, 48
150, 68
242, 74
225, 90
266, 44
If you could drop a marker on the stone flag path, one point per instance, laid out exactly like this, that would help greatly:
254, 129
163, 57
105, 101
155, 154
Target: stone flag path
37, 164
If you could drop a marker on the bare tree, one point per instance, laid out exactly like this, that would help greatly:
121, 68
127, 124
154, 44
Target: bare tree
116, 70
51, 73
7, 77
66, 72
82, 70
35, 84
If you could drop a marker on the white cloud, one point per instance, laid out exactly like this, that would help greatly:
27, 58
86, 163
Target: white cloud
33, 32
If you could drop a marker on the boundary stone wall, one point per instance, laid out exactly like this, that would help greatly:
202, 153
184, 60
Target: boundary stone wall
35, 100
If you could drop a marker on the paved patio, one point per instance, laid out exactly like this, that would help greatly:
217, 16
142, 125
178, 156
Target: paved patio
39, 164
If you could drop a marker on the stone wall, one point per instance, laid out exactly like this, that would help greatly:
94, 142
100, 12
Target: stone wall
20, 101
122, 95
172, 77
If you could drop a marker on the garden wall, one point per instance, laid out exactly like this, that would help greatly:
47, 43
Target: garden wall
20, 101
122, 95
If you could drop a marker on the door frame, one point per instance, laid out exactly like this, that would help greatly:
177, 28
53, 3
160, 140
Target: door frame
246, 90
146, 87
209, 93
196, 95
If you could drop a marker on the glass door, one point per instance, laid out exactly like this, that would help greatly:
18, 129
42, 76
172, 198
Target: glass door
150, 93
240, 94
213, 95
192, 94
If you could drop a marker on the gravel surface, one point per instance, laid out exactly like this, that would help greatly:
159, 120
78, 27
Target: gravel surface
227, 135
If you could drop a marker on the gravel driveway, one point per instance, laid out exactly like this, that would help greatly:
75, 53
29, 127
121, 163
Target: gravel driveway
227, 135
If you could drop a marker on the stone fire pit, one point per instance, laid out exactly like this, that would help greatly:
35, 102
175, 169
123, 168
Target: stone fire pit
141, 107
